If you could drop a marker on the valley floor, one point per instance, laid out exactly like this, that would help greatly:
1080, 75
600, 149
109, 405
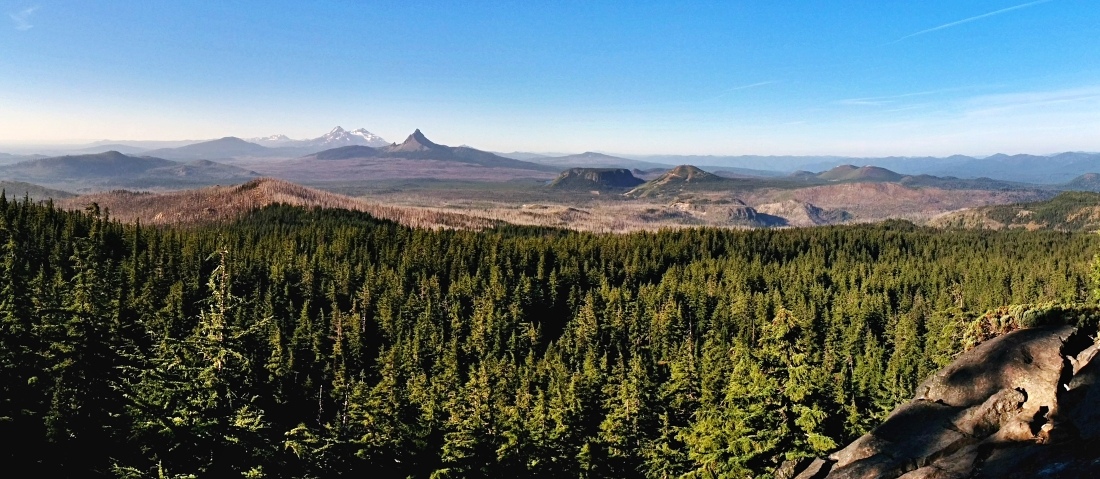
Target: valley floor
529, 202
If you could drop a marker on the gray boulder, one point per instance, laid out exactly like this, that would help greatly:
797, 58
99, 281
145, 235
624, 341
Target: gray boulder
1023, 404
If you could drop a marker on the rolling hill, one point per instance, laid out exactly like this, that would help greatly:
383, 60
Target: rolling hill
220, 148
856, 173
876, 201
1069, 211
18, 189
1085, 182
679, 180
227, 203
225, 148
103, 148
91, 166
346, 153
114, 169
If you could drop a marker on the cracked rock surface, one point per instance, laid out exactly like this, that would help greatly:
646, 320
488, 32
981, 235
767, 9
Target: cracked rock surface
1025, 404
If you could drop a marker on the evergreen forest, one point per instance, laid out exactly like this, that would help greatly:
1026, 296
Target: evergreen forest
328, 343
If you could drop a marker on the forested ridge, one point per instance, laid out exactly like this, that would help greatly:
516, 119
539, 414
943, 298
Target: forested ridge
322, 343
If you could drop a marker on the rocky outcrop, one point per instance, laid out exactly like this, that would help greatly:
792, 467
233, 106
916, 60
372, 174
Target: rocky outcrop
798, 213
1024, 404
743, 215
596, 179
735, 212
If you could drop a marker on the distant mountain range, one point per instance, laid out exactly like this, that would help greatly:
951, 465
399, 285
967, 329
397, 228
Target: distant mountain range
279, 145
1056, 169
1037, 169
97, 146
1052, 169
419, 147
866, 174
526, 155
275, 146
591, 159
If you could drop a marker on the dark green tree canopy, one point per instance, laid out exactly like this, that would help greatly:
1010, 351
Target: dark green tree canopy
322, 343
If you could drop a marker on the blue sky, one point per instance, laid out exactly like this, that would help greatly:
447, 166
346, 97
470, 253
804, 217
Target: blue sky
837, 77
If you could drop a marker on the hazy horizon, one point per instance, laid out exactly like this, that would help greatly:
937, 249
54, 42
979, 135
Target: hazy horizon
850, 79
71, 145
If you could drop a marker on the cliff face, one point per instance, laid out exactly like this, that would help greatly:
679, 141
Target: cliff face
1025, 404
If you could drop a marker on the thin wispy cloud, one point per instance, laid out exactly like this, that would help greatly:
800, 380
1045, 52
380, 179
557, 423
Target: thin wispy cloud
972, 19
891, 99
1065, 99
741, 87
22, 18
863, 102
752, 85
907, 108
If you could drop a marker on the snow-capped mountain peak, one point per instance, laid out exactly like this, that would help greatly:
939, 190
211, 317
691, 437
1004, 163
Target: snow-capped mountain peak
336, 137
367, 136
341, 137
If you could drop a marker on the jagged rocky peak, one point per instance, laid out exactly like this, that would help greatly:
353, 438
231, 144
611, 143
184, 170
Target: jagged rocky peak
419, 137
416, 142
1025, 404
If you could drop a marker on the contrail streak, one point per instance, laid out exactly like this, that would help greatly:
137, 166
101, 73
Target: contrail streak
971, 19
